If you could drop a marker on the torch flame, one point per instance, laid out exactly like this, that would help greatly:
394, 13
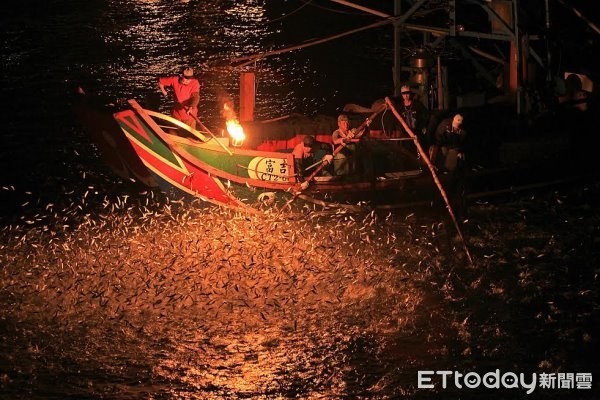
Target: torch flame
236, 132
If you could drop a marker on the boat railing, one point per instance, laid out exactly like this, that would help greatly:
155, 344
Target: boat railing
175, 127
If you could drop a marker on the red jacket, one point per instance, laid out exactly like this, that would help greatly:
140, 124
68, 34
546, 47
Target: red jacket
185, 96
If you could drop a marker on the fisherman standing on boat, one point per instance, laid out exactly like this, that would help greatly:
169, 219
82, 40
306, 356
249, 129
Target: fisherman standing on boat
448, 144
414, 113
186, 93
447, 154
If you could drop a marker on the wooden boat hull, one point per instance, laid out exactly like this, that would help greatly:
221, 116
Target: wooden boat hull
182, 161
116, 151
173, 173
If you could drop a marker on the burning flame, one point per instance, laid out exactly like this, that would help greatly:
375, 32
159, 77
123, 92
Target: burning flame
236, 132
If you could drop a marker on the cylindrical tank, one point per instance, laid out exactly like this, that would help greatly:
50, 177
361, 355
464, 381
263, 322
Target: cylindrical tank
421, 59
419, 77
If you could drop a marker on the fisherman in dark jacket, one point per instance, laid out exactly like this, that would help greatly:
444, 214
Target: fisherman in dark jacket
447, 154
414, 113
447, 150
308, 153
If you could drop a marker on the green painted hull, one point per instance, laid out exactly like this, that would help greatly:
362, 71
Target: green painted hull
202, 165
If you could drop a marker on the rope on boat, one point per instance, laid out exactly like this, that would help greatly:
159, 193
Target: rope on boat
399, 20
580, 15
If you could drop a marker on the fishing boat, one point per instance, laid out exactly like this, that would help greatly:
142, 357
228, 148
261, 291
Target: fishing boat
259, 172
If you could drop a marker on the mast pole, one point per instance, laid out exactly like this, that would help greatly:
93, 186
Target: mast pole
397, 70
548, 52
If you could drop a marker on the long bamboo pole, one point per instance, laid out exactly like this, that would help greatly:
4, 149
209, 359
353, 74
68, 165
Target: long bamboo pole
580, 15
211, 134
359, 132
433, 173
399, 19
299, 188
253, 57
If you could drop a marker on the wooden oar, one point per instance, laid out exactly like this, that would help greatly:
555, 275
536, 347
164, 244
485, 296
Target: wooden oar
433, 173
210, 133
360, 129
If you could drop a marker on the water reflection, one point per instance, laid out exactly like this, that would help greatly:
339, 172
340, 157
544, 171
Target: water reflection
108, 291
119, 48
151, 39
132, 297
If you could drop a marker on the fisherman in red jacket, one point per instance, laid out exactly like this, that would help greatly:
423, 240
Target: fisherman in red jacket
186, 91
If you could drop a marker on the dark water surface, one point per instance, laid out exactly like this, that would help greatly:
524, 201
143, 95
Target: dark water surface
118, 49
145, 299
111, 291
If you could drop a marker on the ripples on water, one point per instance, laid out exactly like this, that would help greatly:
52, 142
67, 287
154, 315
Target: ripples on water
118, 49
121, 47
111, 291
139, 297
